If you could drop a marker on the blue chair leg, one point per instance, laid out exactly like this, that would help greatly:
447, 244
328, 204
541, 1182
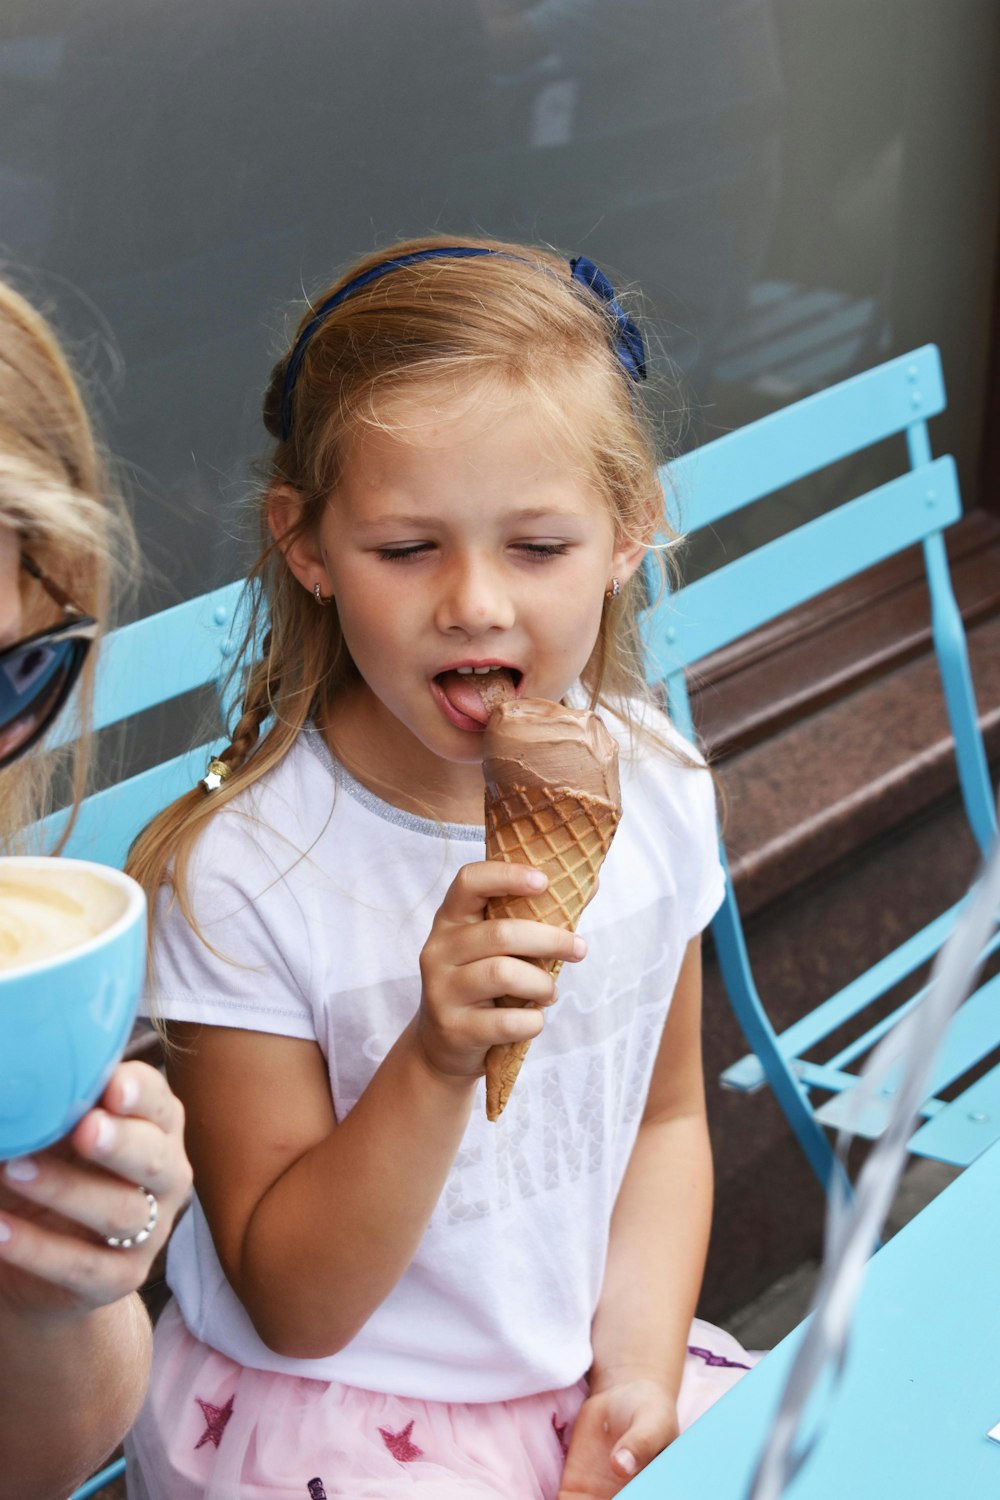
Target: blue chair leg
95, 1485
734, 962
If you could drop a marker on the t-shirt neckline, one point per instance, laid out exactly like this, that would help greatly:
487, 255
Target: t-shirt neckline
472, 833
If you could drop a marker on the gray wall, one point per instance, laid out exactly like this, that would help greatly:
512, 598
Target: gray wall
800, 187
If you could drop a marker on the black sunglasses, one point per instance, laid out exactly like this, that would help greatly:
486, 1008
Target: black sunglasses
37, 674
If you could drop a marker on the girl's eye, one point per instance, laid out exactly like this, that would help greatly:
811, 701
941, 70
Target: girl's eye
541, 551
403, 554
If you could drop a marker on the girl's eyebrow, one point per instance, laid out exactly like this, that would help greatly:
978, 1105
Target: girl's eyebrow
422, 519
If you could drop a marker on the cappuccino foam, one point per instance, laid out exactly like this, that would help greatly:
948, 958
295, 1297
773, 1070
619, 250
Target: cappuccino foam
48, 911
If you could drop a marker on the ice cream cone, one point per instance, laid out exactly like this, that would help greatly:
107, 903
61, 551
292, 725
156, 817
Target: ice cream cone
552, 802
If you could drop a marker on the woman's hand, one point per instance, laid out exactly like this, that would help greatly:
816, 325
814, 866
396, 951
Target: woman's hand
468, 962
620, 1429
57, 1206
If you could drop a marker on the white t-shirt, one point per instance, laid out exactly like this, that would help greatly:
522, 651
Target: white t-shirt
323, 896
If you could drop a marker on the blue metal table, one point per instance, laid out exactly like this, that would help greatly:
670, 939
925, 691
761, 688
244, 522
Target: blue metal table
921, 1385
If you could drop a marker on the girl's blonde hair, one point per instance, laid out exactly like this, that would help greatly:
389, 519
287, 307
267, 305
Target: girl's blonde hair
56, 495
507, 326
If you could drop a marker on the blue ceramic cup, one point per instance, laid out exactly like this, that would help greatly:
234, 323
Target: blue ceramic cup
65, 1016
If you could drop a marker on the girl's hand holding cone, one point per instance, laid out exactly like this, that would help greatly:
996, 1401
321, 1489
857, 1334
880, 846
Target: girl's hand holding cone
469, 959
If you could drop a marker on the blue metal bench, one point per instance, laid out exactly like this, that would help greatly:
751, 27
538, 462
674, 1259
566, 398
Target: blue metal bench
715, 481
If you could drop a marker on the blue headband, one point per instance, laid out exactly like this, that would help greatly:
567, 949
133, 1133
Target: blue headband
627, 340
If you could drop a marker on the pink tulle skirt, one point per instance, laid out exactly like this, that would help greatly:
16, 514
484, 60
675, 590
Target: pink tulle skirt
213, 1430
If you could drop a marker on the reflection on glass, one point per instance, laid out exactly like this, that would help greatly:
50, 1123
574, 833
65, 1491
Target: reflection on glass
763, 169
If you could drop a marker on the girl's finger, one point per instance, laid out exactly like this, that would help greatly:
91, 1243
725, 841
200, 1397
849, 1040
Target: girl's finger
94, 1274
92, 1200
640, 1445
649, 1427
491, 978
520, 937
475, 884
503, 1025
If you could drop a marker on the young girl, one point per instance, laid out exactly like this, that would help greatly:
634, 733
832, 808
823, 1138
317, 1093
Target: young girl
378, 1293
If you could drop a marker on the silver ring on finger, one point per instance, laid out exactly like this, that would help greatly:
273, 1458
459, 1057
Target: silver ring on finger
129, 1241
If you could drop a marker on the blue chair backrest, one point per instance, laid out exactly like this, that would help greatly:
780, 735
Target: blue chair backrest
141, 666
726, 475
715, 481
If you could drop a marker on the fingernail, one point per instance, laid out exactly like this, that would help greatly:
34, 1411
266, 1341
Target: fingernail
129, 1092
6, 1232
579, 947
107, 1134
537, 880
21, 1169
625, 1460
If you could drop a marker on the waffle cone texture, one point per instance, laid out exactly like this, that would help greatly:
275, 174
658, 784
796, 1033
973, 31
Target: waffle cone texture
566, 833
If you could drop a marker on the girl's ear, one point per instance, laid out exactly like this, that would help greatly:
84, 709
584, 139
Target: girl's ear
300, 547
284, 509
630, 549
626, 558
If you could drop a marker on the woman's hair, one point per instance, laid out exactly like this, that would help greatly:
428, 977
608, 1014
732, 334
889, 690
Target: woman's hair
55, 494
502, 327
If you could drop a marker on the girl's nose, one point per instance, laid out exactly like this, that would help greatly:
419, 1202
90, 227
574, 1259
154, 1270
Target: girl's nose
474, 598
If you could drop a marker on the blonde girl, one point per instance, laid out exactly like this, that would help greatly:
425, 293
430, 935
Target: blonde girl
74, 1336
378, 1293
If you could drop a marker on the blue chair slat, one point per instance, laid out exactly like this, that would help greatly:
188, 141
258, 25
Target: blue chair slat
761, 585
713, 482
802, 1035
835, 1080
963, 1129
732, 471
164, 655
972, 1036
875, 1033
956, 680
108, 821
99, 1481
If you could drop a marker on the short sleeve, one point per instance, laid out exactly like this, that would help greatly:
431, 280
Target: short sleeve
709, 885
678, 790
247, 964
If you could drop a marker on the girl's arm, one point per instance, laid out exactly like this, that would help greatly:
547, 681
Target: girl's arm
74, 1336
315, 1221
656, 1257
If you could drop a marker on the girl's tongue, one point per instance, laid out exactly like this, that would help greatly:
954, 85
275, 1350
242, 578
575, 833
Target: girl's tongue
477, 694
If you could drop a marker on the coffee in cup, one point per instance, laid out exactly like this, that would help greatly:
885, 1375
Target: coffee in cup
72, 959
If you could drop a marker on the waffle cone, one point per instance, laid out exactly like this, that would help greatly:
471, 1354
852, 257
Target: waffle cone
567, 834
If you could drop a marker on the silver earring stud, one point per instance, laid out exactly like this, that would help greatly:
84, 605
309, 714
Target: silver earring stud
320, 597
614, 590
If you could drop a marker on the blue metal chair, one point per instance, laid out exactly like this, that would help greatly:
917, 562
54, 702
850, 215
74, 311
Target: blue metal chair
141, 666
718, 479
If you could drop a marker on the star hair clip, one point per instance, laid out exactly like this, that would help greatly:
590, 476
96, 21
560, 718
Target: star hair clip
217, 775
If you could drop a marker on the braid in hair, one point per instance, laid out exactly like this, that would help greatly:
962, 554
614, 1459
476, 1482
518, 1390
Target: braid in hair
263, 686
